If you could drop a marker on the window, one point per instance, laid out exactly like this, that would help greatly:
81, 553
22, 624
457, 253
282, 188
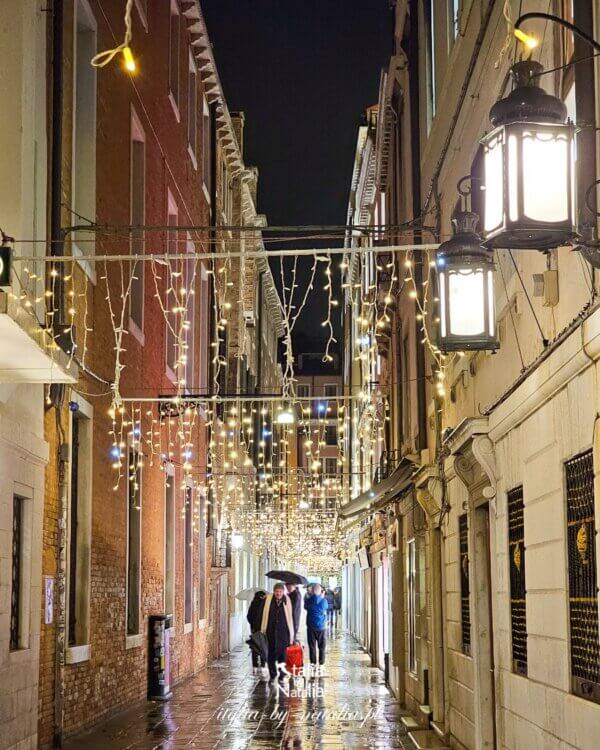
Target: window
303, 390
204, 325
411, 568
206, 145
405, 387
202, 526
84, 123
192, 109
330, 466
79, 539
188, 512
174, 39
225, 193
188, 332
142, 8
134, 539
171, 322
170, 541
137, 211
17, 584
583, 577
330, 390
453, 19
465, 604
516, 561
331, 434
430, 59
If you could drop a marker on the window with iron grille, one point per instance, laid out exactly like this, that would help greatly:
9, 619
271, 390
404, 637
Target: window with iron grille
583, 581
188, 511
331, 434
516, 556
465, 605
17, 574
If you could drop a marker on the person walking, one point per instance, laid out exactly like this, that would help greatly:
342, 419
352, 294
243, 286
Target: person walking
254, 617
316, 618
296, 599
337, 601
278, 625
329, 597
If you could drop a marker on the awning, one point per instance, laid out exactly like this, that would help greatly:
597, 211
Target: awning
383, 492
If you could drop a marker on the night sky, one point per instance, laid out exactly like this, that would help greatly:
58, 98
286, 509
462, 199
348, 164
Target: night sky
303, 72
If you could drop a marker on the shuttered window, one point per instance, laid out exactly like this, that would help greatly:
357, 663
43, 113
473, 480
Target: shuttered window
465, 606
583, 579
516, 556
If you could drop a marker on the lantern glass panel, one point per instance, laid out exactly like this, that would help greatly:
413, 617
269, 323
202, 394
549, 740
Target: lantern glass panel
494, 184
513, 177
466, 296
490, 301
545, 176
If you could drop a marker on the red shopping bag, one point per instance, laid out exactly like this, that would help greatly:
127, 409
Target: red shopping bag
294, 659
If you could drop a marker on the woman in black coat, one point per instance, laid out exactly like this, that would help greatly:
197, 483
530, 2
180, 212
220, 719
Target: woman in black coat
254, 617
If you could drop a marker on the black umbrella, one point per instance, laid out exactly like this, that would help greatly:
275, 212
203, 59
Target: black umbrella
259, 644
288, 577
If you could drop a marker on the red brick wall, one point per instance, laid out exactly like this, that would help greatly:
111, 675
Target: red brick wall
115, 677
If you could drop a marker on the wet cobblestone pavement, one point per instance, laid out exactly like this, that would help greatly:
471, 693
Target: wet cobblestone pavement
225, 707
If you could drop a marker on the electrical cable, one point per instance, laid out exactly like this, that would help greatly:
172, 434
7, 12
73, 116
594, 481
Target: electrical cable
512, 318
544, 339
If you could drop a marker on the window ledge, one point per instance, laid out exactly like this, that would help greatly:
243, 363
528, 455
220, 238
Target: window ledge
188, 627
134, 641
175, 107
88, 268
193, 157
134, 329
19, 655
202, 624
77, 654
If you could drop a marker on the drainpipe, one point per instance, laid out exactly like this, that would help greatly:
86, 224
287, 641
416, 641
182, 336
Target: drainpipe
585, 108
415, 135
58, 393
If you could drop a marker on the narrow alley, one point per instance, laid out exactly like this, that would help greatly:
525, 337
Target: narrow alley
225, 707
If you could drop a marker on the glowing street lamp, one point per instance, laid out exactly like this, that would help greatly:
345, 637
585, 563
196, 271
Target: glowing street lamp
528, 162
466, 289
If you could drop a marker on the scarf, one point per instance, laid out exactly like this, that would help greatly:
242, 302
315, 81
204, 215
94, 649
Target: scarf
287, 609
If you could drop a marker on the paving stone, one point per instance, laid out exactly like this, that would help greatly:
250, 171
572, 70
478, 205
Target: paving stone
225, 707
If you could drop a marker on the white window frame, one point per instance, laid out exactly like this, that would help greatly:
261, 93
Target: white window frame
190, 334
188, 625
303, 395
138, 136
202, 547
175, 97
80, 651
82, 9
169, 597
172, 212
411, 590
133, 640
192, 110
26, 495
206, 149
330, 385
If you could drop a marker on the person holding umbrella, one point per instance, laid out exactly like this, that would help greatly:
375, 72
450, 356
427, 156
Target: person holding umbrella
296, 600
254, 617
278, 625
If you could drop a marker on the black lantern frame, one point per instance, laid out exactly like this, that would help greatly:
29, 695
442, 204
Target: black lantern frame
528, 164
466, 278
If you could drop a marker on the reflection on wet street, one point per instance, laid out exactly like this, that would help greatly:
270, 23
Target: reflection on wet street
227, 708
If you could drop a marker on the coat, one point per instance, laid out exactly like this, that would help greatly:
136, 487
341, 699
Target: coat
316, 608
277, 622
255, 611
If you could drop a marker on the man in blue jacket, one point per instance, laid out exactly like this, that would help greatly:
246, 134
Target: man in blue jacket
316, 621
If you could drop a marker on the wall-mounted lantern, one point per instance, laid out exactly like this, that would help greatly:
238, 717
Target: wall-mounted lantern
529, 170
466, 289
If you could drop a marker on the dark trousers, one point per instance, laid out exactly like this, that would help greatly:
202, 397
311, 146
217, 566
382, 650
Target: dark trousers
276, 654
257, 660
316, 639
330, 616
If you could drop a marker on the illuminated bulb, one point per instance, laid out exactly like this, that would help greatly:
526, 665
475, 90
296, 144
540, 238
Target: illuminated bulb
529, 41
128, 59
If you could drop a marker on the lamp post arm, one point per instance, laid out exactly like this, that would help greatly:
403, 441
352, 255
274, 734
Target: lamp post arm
557, 19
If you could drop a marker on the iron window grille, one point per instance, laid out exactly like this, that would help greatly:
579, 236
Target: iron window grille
583, 577
518, 591
16, 576
222, 549
465, 604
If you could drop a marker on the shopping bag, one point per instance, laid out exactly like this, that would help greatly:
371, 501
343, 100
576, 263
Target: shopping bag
294, 659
